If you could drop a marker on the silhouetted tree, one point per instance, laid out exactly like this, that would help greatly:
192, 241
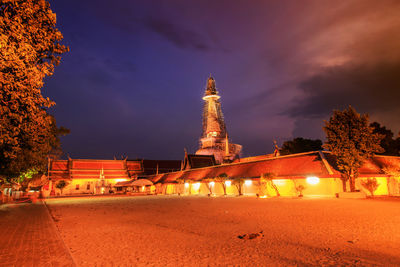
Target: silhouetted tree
29, 50
299, 145
61, 185
390, 145
351, 140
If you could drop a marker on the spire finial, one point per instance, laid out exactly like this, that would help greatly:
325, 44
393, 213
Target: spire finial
211, 88
276, 151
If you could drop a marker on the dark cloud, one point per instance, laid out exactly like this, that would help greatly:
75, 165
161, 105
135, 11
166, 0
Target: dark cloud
370, 88
177, 35
288, 66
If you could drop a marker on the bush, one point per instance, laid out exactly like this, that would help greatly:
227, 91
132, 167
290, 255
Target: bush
370, 184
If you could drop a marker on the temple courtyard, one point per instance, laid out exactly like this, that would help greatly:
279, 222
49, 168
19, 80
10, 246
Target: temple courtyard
201, 231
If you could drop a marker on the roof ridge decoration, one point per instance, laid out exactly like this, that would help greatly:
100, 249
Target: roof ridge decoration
326, 164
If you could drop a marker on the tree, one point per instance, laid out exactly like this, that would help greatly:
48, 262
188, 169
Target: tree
208, 182
391, 146
181, 185
23, 180
299, 188
392, 171
262, 186
370, 184
299, 145
238, 182
61, 185
184, 182
352, 141
269, 178
222, 178
29, 50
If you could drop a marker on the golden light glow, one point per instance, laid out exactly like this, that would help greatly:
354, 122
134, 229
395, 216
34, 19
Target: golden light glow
279, 182
211, 183
196, 186
312, 180
228, 183
121, 180
263, 196
248, 182
211, 97
143, 188
186, 185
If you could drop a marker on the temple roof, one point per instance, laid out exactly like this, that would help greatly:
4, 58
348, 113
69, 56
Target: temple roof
112, 169
198, 161
302, 165
160, 166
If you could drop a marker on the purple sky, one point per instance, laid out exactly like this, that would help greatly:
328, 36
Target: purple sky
133, 80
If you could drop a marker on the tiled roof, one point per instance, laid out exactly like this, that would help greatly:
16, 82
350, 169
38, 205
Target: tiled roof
59, 165
283, 167
300, 165
151, 166
88, 169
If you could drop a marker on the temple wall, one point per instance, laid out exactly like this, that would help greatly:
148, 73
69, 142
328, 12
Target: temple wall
394, 186
382, 186
285, 187
80, 186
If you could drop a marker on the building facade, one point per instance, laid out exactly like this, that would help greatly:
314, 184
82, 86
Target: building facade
311, 174
91, 176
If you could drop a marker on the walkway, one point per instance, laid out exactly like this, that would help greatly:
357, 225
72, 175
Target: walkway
29, 237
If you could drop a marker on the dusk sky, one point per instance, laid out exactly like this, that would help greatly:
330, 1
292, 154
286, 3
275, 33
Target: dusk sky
133, 81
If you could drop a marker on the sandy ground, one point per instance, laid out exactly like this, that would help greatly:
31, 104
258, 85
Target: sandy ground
203, 231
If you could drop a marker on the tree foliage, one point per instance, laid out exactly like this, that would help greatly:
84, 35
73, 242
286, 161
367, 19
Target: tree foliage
371, 184
352, 141
30, 48
61, 185
299, 145
390, 145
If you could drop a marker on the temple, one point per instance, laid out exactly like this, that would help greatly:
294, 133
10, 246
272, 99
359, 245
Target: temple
217, 169
214, 140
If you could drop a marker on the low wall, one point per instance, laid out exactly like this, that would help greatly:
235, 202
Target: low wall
284, 187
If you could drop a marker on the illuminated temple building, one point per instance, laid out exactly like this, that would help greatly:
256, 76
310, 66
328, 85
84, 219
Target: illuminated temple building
217, 169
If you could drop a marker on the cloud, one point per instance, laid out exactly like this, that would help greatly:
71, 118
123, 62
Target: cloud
177, 35
370, 88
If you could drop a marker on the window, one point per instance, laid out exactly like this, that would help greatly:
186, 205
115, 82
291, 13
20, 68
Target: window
88, 186
77, 187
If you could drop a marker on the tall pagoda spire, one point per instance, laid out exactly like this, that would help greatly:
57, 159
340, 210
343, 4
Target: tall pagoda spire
213, 119
214, 139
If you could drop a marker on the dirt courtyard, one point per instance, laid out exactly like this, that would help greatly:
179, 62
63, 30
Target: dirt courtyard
203, 231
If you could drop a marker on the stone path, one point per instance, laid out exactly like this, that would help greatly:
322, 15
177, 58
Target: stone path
29, 237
